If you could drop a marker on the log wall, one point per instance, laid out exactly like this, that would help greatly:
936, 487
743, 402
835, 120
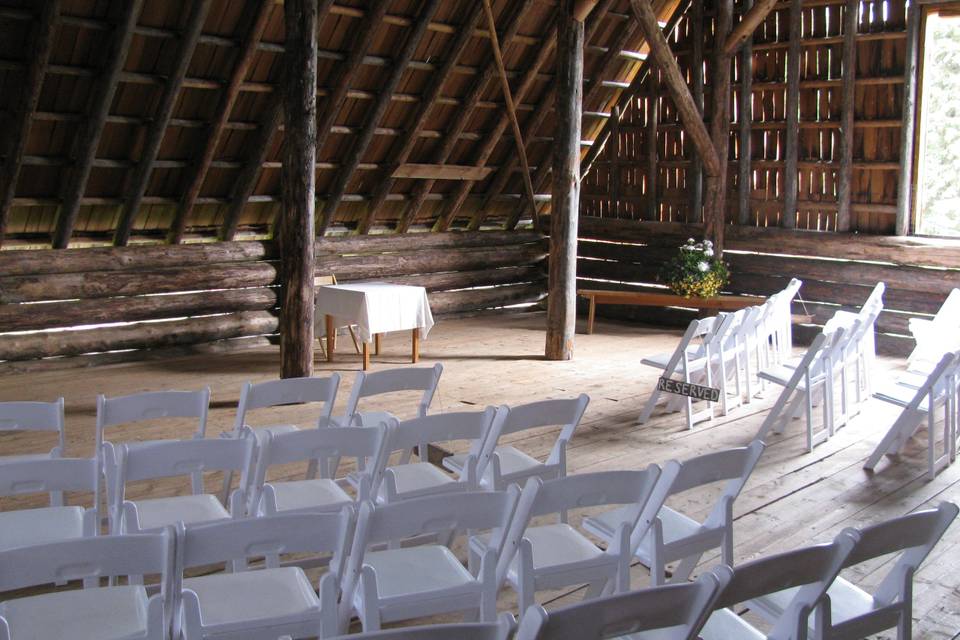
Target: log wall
150, 297
838, 270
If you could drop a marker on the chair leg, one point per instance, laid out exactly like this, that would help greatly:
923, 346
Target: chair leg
353, 336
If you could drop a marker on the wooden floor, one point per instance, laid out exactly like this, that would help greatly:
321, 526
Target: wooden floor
793, 498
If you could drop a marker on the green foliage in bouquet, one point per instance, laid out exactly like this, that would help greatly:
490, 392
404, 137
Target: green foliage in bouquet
694, 272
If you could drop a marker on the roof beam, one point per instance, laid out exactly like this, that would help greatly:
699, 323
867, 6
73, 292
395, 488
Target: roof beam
158, 125
335, 103
258, 22
460, 121
402, 147
88, 139
38, 55
747, 25
376, 113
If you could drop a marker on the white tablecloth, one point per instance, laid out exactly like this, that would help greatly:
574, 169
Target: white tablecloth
374, 307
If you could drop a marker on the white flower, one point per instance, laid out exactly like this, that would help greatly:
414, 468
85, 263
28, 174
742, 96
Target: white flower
708, 252
704, 266
708, 243
686, 247
690, 240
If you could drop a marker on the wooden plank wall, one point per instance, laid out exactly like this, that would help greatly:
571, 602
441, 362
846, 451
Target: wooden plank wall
838, 270
619, 183
152, 297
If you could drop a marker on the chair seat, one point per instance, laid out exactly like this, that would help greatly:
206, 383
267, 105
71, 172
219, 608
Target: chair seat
555, 545
897, 394
455, 462
676, 526
416, 477
309, 494
365, 419
660, 360
160, 512
29, 527
23, 457
847, 601
512, 461
106, 613
228, 598
724, 624
416, 570
276, 429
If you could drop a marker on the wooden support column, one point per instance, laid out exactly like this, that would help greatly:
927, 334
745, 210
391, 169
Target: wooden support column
847, 101
652, 205
714, 213
299, 188
614, 155
197, 174
696, 88
378, 110
791, 149
745, 112
905, 181
158, 125
562, 293
38, 54
88, 138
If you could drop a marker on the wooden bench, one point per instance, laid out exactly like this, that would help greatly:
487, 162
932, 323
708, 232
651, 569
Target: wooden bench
650, 299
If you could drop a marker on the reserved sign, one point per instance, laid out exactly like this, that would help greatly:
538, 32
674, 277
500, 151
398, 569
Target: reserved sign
688, 389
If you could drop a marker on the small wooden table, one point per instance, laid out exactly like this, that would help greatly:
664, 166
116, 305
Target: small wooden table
650, 299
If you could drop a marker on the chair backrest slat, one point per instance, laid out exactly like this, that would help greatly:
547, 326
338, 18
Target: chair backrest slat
423, 379
44, 476
289, 391
184, 457
153, 405
442, 427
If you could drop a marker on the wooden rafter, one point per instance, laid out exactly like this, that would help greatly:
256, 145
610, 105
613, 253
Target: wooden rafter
336, 100
258, 22
88, 139
37, 55
747, 25
401, 149
442, 155
379, 109
161, 119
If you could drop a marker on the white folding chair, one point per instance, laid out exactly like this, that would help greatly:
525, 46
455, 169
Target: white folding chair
688, 363
499, 630
399, 584
675, 536
274, 601
171, 459
148, 407
936, 335
672, 612
326, 493
802, 385
749, 347
93, 613
35, 417
55, 523
726, 353
782, 320
937, 391
554, 555
254, 398
812, 569
502, 465
416, 479
365, 385
854, 613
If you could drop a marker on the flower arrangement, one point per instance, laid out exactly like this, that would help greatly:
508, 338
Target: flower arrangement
694, 271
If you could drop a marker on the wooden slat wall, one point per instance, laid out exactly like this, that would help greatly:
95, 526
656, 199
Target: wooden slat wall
167, 296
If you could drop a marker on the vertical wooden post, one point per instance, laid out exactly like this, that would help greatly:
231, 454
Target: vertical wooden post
695, 175
613, 149
792, 144
905, 182
653, 209
714, 214
565, 200
299, 177
847, 95
744, 175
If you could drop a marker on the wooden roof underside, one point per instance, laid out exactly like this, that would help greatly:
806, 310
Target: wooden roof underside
187, 145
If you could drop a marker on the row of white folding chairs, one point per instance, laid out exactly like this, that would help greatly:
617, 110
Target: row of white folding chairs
936, 335
726, 351
382, 586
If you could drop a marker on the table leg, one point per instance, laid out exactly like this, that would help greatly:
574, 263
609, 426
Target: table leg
331, 336
376, 343
591, 314
366, 356
415, 357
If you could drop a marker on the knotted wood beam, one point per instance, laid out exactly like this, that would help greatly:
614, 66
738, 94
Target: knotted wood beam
197, 174
37, 56
401, 149
376, 113
158, 125
747, 25
88, 139
715, 209
336, 100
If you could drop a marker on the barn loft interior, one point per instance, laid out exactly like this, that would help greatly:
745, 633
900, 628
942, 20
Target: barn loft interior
479, 319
